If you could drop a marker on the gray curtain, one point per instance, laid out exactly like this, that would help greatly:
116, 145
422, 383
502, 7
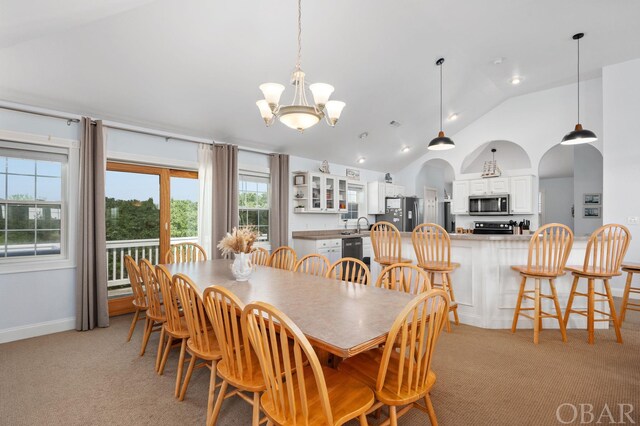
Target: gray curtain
224, 214
92, 308
279, 217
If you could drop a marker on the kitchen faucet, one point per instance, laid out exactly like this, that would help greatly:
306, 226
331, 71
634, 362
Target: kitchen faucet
358, 223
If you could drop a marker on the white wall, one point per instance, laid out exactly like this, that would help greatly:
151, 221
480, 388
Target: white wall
558, 200
37, 302
587, 179
621, 101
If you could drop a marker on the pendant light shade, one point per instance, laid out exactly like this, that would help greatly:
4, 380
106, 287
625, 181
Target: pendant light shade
441, 142
579, 135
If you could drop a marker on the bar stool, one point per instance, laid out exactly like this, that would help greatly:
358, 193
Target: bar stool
387, 244
630, 269
605, 251
432, 246
549, 248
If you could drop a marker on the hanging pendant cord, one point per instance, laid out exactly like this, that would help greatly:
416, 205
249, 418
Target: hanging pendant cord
298, 61
440, 97
578, 81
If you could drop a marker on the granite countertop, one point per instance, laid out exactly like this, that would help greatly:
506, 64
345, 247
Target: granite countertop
335, 234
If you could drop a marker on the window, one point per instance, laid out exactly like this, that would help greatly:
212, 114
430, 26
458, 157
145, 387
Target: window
32, 204
253, 201
355, 203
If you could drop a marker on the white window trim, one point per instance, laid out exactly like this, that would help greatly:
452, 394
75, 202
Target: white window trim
70, 192
352, 223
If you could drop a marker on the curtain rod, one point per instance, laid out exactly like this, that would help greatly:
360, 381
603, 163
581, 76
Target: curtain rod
70, 118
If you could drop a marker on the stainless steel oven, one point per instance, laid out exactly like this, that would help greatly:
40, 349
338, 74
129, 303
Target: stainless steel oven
489, 205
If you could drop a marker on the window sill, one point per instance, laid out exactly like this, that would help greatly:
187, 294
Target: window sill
34, 265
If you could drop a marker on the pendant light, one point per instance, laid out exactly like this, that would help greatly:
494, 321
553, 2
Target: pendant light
442, 142
579, 135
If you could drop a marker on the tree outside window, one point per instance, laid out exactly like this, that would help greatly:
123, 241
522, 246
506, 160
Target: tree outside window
253, 202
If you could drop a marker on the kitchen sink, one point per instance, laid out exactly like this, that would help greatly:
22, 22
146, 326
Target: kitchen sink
347, 232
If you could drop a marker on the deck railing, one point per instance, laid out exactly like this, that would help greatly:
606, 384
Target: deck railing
117, 277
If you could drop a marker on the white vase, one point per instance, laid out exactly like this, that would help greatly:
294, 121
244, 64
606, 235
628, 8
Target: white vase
241, 268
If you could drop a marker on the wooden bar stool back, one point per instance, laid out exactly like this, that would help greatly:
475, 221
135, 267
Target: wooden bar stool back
239, 366
387, 244
313, 264
185, 252
175, 328
400, 372
260, 256
298, 389
155, 311
605, 252
202, 343
351, 270
403, 277
283, 258
432, 246
630, 269
549, 249
139, 301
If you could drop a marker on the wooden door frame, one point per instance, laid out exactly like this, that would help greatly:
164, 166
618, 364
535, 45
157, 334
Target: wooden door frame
122, 305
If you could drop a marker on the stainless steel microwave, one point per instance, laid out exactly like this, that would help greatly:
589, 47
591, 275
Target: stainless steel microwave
489, 205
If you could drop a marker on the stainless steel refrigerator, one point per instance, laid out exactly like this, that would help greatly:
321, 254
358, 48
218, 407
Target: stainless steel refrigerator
404, 212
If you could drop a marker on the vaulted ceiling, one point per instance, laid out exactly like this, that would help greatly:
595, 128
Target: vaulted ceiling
194, 66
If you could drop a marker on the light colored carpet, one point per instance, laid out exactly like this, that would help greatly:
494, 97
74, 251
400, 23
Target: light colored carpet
485, 377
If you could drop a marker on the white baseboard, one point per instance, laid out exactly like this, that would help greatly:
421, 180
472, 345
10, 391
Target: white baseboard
38, 329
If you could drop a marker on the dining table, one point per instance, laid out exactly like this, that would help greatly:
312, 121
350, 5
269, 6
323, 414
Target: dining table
340, 317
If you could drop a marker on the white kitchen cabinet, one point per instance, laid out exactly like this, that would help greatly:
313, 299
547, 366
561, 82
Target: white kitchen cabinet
478, 187
460, 197
367, 250
331, 248
521, 192
378, 191
498, 185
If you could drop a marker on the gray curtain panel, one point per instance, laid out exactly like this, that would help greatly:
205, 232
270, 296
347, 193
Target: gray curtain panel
92, 308
225, 194
279, 217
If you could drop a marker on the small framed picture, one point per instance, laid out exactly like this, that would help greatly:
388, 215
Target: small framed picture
592, 199
298, 180
592, 213
353, 174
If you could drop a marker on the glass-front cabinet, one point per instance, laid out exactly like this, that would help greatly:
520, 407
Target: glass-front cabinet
319, 193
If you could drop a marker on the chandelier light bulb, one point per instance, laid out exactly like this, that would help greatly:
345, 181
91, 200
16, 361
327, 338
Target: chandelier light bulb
321, 93
334, 109
272, 93
265, 111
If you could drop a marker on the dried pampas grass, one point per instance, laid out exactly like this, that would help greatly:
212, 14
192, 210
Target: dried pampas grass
238, 240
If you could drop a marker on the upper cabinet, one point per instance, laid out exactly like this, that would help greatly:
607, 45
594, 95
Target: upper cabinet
319, 193
478, 187
489, 186
377, 192
522, 195
460, 200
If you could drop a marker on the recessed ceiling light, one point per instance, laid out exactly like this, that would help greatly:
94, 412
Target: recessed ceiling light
363, 135
394, 123
405, 149
516, 80
361, 160
453, 117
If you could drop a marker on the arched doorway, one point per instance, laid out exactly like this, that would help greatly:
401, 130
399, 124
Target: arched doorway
434, 183
509, 156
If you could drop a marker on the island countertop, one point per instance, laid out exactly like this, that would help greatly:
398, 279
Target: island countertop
337, 234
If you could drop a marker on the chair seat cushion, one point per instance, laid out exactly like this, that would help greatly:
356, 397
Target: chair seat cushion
591, 272
439, 266
365, 367
536, 271
348, 399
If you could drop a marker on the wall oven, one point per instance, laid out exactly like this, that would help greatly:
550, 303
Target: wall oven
489, 205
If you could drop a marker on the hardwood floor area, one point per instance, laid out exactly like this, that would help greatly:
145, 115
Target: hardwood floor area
484, 377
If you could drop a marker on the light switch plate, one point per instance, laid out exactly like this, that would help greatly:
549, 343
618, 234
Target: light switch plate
633, 220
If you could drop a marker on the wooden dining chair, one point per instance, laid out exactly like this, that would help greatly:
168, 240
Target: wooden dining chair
400, 372
300, 390
627, 303
175, 328
313, 264
432, 246
239, 366
260, 256
387, 244
404, 277
549, 248
139, 301
185, 252
606, 249
283, 258
156, 316
202, 343
350, 269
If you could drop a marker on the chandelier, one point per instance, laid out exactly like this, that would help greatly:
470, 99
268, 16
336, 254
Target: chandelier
299, 115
